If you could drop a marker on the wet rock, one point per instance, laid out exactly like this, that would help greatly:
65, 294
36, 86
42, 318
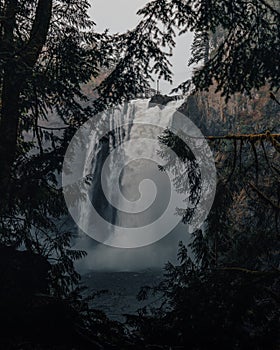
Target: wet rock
162, 100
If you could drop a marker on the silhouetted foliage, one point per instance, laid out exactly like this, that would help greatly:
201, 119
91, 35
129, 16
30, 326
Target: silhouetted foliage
248, 55
225, 294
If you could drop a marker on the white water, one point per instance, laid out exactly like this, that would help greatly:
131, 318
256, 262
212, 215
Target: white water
131, 180
138, 189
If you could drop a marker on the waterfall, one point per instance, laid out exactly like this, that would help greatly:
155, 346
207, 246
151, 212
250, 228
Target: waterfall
122, 199
135, 140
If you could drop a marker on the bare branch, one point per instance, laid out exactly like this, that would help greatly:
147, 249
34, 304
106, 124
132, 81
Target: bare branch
264, 197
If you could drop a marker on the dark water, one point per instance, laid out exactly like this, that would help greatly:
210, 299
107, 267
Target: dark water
123, 288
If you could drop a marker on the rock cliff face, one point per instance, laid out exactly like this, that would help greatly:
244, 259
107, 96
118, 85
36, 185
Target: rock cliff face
162, 100
241, 165
241, 114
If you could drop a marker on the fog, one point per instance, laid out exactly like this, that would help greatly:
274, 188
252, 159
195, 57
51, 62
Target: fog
154, 256
120, 16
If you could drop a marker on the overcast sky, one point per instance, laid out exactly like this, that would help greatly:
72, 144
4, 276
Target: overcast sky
120, 15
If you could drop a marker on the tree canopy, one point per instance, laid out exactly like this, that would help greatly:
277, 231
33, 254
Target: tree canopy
48, 51
247, 55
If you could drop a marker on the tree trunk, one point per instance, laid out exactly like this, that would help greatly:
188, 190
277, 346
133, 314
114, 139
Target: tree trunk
9, 97
206, 48
16, 72
9, 124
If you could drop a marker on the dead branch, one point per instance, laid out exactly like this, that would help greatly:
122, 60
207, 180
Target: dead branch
264, 197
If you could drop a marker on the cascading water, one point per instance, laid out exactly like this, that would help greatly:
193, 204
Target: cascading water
136, 144
118, 196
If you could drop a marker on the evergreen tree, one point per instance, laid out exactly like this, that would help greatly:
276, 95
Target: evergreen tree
48, 51
248, 55
224, 293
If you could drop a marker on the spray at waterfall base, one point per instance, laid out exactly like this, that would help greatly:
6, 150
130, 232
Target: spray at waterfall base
125, 188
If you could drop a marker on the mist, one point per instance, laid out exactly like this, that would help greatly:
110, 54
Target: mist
119, 17
104, 258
